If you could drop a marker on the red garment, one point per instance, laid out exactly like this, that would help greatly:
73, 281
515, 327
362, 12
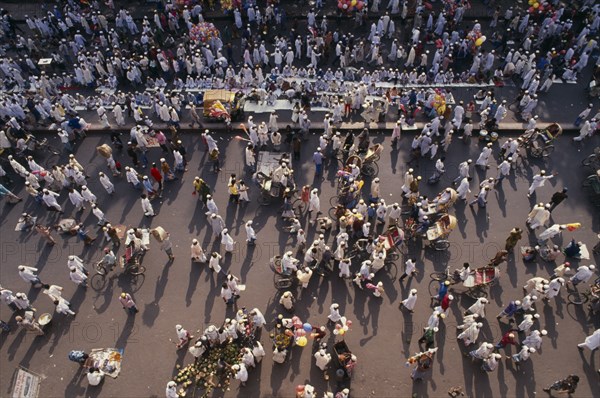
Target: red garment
155, 173
305, 196
445, 302
506, 339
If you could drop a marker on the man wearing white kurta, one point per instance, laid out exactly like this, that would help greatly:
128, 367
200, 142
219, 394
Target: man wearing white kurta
106, 183
227, 241
334, 313
538, 181
591, 342
410, 301
322, 358
540, 218
479, 307
470, 334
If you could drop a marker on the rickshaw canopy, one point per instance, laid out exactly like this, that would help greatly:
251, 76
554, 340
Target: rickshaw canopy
225, 96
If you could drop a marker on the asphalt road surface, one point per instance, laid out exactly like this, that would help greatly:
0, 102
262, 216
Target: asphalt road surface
382, 336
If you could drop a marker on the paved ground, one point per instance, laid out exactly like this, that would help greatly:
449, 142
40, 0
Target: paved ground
382, 336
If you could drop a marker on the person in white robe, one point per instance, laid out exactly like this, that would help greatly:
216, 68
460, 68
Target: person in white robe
410, 301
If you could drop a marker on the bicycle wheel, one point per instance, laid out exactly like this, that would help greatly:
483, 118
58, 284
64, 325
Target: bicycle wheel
334, 201
331, 213
477, 292
100, 269
98, 282
434, 286
299, 207
547, 151
577, 298
438, 276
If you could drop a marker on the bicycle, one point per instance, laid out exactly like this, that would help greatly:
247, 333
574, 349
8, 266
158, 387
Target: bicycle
132, 267
579, 298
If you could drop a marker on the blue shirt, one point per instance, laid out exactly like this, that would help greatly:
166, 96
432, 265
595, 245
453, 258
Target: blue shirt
318, 158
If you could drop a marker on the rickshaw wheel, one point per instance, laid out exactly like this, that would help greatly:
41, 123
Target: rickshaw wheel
370, 169
281, 282
546, 151
138, 270
588, 161
477, 292
137, 281
589, 181
391, 257
577, 298
535, 152
441, 244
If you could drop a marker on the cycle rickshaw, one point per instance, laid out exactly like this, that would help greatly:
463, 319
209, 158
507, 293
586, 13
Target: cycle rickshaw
538, 143
368, 163
478, 281
436, 235
391, 241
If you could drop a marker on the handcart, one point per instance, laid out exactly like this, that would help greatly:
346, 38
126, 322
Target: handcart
282, 280
343, 359
266, 165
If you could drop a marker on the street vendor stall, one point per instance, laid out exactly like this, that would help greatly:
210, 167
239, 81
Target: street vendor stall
220, 105
108, 360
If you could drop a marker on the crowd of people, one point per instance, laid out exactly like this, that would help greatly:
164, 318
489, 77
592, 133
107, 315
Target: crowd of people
108, 67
